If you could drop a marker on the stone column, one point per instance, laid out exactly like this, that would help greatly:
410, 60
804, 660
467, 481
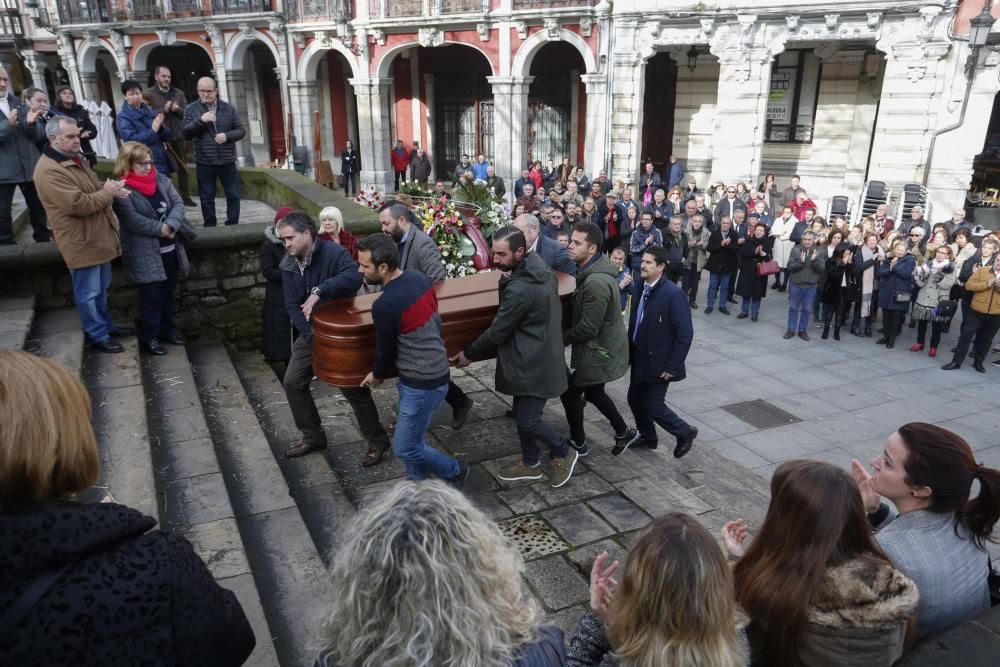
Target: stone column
740, 114
375, 132
594, 156
68, 56
304, 95
428, 143
35, 64
628, 90
88, 87
510, 125
237, 86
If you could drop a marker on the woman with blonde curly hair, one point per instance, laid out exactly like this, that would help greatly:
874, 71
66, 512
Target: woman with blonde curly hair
675, 605
425, 579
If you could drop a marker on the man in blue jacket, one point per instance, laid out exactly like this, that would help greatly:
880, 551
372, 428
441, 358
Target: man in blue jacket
312, 272
554, 255
660, 334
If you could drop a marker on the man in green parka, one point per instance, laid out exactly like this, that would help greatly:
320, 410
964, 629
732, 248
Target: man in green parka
598, 337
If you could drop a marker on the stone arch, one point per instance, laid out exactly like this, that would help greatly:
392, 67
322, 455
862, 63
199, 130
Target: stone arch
86, 55
238, 45
386, 62
526, 54
140, 58
312, 55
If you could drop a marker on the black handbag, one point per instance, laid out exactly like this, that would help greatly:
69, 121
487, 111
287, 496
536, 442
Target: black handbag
947, 308
901, 297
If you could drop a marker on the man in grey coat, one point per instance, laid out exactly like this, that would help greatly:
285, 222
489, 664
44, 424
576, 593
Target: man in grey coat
18, 157
171, 102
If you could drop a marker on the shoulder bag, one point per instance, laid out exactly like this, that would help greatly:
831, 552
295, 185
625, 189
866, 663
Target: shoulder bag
768, 268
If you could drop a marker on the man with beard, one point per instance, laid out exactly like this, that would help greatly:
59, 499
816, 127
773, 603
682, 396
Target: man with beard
408, 340
531, 366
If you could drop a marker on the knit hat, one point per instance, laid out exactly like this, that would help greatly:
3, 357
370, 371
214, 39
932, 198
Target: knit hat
282, 212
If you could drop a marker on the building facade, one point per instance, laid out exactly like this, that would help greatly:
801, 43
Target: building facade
839, 93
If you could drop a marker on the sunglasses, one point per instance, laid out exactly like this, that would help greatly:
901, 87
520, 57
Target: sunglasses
913, 236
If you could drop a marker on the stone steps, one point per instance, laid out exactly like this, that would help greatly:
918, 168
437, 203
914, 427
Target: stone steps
285, 562
17, 314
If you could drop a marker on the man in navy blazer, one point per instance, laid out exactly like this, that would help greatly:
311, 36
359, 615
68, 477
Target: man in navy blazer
555, 256
660, 334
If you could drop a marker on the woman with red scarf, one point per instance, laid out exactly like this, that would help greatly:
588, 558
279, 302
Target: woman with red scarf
153, 228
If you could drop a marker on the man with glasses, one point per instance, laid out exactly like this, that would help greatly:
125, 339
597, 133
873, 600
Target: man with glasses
729, 205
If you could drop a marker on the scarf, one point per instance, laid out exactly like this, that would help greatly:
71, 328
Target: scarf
938, 265
144, 185
867, 281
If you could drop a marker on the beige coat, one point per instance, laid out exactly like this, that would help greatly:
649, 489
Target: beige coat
985, 299
79, 211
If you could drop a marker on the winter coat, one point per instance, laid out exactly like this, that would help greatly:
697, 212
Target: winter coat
749, 285
479, 170
82, 118
131, 595
330, 268
139, 227
842, 284
79, 211
399, 158
227, 121
893, 280
661, 213
935, 286
858, 616
420, 253
985, 299
728, 208
18, 146
675, 174
664, 336
696, 254
350, 162
420, 168
722, 259
806, 274
526, 333
276, 341
781, 232
136, 124
496, 184
677, 249
650, 181
174, 119
799, 210
637, 243
555, 256
597, 335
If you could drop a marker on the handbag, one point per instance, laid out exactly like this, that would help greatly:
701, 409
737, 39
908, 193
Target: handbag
768, 268
947, 308
901, 297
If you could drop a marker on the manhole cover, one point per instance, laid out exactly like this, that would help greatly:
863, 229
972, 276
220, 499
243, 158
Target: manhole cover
761, 414
532, 537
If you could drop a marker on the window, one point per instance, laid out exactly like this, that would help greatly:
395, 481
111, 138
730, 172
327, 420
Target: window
791, 102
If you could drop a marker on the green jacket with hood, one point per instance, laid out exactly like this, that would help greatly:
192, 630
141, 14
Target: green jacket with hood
598, 335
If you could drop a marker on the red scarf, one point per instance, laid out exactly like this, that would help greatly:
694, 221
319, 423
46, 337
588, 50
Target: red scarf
144, 185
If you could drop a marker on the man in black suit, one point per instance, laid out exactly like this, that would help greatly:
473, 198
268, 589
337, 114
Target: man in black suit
555, 256
660, 334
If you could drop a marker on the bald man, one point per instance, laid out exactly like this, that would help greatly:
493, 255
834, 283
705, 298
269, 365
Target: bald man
555, 256
214, 127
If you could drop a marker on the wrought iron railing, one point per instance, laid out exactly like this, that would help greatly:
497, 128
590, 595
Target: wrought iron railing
551, 4
188, 7
460, 6
304, 11
241, 6
144, 10
84, 11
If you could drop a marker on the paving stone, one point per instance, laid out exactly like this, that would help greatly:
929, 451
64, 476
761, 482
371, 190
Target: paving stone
662, 496
738, 453
193, 500
480, 441
523, 500
581, 486
619, 512
612, 469
345, 461
218, 543
577, 524
557, 583
782, 443
491, 506
583, 558
567, 619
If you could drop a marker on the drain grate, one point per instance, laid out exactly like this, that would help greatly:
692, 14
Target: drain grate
532, 537
761, 414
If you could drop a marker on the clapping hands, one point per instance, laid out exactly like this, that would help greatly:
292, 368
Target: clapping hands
734, 536
869, 496
601, 585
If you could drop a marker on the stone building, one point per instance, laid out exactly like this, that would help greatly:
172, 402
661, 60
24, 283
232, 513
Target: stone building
839, 93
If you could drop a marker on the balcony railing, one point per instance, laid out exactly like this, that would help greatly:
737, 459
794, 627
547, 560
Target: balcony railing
188, 7
11, 28
145, 10
391, 9
551, 4
460, 6
85, 11
326, 11
222, 7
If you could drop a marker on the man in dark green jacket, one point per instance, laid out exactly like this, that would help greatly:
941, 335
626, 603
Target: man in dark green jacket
526, 336
598, 337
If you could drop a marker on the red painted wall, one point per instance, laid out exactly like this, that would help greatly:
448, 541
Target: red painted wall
338, 102
401, 73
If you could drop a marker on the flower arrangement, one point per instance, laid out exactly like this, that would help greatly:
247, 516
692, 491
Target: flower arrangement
474, 192
444, 223
369, 198
493, 218
413, 189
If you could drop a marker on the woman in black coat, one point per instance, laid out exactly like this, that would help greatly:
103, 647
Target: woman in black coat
65, 105
755, 250
94, 582
350, 167
841, 290
276, 339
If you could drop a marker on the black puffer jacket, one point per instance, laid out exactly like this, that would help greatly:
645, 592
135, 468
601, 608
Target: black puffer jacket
227, 120
131, 597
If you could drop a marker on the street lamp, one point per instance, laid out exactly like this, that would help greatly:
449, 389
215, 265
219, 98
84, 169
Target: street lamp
692, 56
979, 32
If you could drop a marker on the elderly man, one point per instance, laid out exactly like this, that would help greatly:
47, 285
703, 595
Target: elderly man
420, 168
883, 223
916, 220
958, 222
554, 255
86, 230
494, 182
528, 199
18, 156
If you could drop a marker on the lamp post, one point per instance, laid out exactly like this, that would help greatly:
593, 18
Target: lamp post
979, 32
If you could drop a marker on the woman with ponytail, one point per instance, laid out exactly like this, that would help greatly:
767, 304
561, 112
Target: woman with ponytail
938, 532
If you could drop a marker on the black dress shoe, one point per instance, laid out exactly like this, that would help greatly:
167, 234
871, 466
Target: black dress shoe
951, 366
684, 444
173, 339
742, 316
190, 203
109, 346
153, 347
709, 310
694, 305
753, 318
724, 311
731, 299
882, 341
302, 449
978, 365
122, 332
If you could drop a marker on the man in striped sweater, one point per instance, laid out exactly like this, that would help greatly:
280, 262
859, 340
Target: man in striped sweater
408, 340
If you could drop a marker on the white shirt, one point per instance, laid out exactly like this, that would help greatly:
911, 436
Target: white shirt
5, 106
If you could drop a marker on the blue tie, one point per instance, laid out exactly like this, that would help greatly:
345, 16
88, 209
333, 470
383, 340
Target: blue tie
642, 309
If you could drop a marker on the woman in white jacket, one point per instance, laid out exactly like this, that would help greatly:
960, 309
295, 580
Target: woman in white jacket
781, 230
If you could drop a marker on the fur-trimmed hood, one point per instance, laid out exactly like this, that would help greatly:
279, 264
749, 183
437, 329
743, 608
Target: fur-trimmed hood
863, 593
271, 234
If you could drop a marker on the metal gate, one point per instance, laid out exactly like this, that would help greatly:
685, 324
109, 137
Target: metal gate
463, 129
548, 132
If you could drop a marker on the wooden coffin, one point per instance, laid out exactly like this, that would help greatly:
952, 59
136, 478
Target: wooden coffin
344, 336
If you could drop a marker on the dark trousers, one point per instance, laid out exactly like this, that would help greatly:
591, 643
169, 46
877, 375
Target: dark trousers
691, 278
298, 377
208, 174
892, 322
180, 147
531, 429
649, 407
400, 176
575, 399
36, 212
351, 183
156, 302
732, 282
673, 273
456, 398
981, 328
935, 332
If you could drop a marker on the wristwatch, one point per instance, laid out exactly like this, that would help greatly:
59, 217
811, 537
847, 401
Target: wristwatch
315, 291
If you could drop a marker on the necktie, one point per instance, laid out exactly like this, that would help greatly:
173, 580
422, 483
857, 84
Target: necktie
642, 310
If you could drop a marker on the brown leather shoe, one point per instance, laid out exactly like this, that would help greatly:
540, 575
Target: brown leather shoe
302, 449
373, 456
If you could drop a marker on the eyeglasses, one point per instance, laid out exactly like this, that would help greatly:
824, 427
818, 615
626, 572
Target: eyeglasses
914, 236
731, 192
145, 163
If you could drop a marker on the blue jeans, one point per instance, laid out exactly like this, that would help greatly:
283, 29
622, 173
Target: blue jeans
800, 301
718, 282
409, 442
751, 306
90, 292
208, 174
817, 297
